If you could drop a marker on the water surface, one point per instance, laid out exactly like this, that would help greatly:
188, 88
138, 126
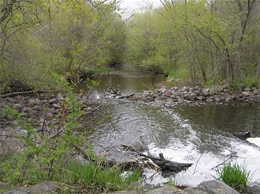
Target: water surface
201, 135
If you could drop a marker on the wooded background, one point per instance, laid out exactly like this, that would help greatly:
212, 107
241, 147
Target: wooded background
209, 42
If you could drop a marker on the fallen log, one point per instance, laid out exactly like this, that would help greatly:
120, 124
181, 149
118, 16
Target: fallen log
165, 165
140, 161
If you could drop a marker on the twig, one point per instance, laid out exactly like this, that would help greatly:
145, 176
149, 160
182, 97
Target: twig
232, 156
27, 92
197, 163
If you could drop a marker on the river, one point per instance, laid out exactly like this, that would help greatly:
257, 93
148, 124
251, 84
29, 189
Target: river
201, 135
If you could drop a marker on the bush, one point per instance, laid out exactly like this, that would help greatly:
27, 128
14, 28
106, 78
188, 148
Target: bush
250, 83
234, 175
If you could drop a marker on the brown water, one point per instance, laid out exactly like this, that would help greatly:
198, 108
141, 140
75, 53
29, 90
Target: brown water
201, 135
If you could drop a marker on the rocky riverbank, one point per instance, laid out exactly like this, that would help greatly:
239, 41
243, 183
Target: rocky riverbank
207, 187
198, 95
41, 112
46, 109
42, 107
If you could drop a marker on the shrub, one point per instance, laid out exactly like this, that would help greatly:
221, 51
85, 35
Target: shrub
250, 83
234, 175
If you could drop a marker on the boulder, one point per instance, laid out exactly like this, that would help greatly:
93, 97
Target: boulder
166, 190
18, 191
44, 187
254, 188
190, 190
216, 187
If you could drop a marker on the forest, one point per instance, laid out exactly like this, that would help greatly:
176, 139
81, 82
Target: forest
208, 42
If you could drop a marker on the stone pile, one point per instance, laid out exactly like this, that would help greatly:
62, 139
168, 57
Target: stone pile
176, 95
38, 109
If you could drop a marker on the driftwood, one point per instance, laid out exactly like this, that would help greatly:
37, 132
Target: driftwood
141, 160
164, 165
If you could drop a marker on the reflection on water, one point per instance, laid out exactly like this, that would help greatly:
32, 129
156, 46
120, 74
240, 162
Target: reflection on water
128, 83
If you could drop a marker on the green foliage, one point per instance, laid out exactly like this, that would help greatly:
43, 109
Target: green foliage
234, 175
250, 82
99, 176
102, 70
205, 38
43, 154
47, 157
56, 36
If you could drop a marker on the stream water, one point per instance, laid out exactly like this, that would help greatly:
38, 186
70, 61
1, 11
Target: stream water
201, 135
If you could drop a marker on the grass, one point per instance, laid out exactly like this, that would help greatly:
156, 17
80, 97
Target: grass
96, 176
234, 175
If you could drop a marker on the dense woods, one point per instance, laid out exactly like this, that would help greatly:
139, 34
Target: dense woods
208, 42
60, 36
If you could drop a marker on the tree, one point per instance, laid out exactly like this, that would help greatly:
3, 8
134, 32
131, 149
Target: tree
215, 41
58, 36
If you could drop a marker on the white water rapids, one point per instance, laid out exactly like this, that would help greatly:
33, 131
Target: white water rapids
201, 135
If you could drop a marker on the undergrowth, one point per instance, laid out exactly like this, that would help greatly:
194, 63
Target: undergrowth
48, 154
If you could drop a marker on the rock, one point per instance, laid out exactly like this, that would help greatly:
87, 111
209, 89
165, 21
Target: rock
18, 191
205, 92
168, 93
192, 95
169, 100
37, 107
126, 192
190, 190
185, 89
136, 185
253, 188
180, 100
216, 187
44, 187
245, 93
24, 109
242, 135
213, 91
59, 97
200, 98
15, 123
29, 110
247, 90
256, 92
53, 100
229, 98
166, 190
31, 103
56, 106
3, 185
17, 106
8, 99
